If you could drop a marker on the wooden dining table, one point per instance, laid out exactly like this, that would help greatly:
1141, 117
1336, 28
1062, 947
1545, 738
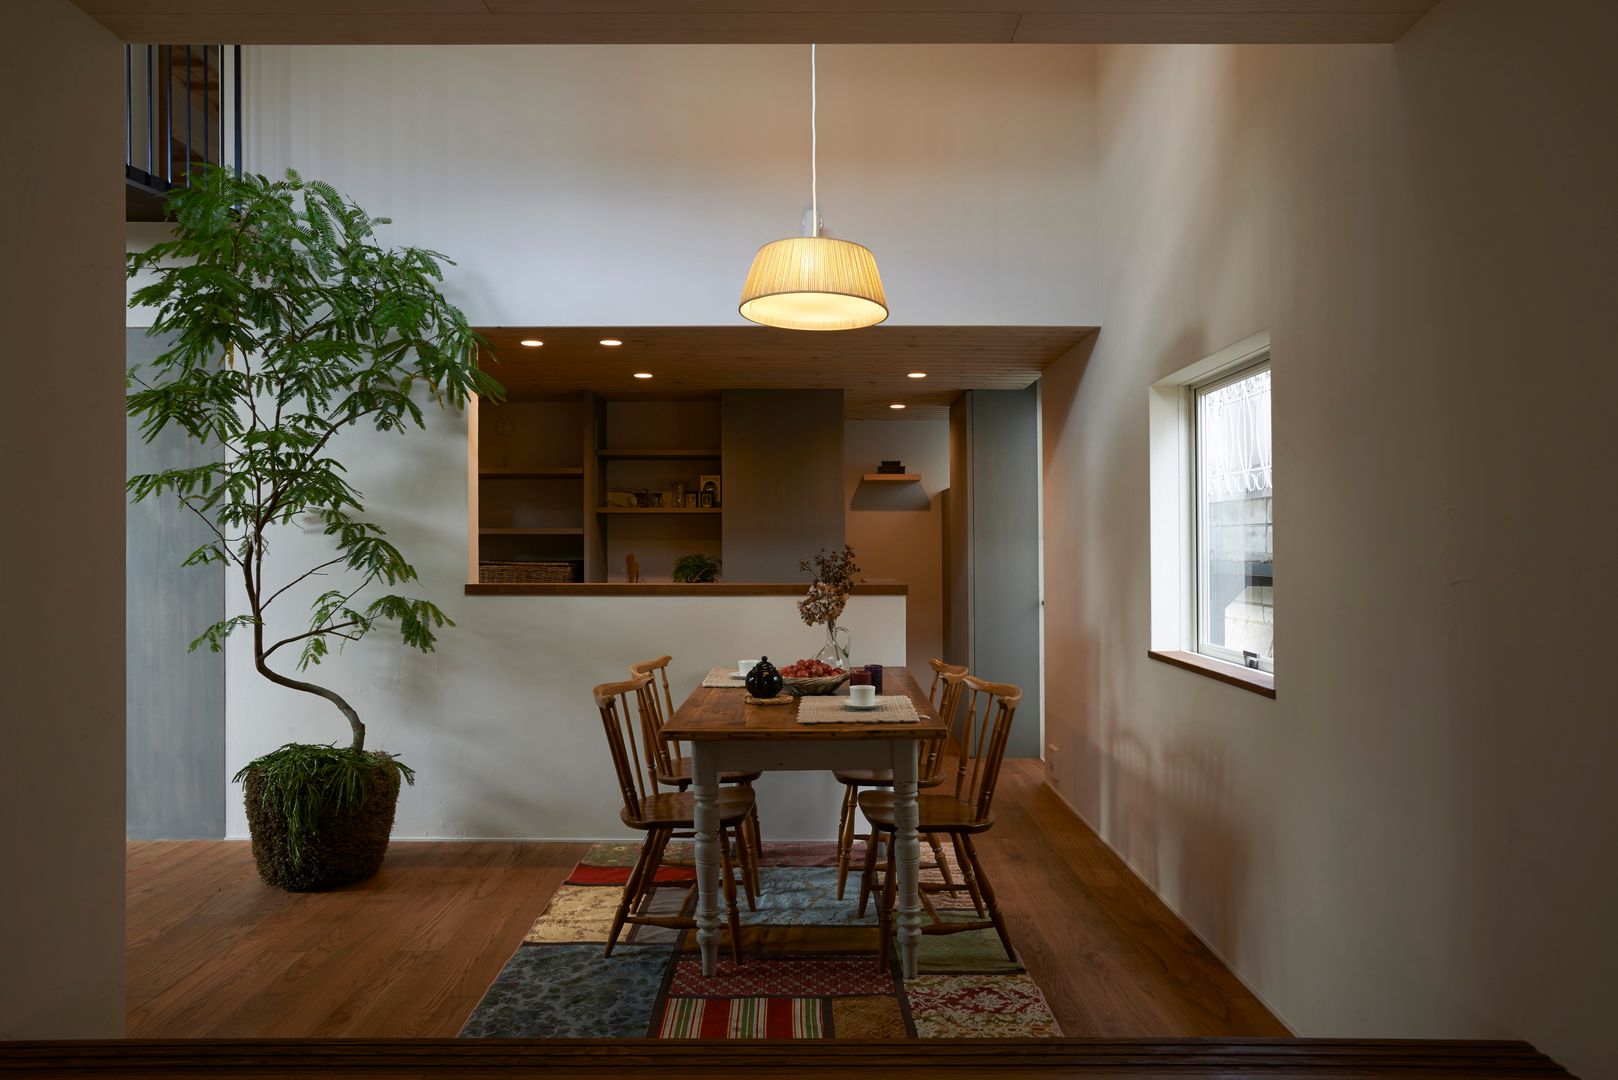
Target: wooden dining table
727, 734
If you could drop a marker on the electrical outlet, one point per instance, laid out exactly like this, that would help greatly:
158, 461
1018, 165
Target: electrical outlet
1053, 761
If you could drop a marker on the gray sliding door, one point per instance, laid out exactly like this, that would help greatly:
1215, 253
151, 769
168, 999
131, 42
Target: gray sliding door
992, 532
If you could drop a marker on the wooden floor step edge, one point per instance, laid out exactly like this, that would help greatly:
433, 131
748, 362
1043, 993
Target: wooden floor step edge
982, 1057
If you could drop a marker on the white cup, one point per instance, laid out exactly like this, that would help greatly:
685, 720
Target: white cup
743, 667
862, 695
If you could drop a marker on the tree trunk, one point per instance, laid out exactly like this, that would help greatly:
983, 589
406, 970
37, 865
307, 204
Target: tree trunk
354, 721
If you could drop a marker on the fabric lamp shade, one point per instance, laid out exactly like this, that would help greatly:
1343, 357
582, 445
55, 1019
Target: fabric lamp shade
814, 283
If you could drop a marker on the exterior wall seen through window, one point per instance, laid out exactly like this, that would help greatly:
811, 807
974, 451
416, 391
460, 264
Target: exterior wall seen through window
1234, 517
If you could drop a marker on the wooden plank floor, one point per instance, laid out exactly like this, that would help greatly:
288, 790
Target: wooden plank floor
214, 953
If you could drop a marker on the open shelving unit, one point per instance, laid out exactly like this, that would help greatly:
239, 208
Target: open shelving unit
651, 445
542, 471
531, 496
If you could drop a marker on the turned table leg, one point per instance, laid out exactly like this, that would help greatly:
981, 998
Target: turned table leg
907, 852
705, 790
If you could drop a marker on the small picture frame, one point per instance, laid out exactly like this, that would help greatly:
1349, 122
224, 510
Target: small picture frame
707, 499
711, 484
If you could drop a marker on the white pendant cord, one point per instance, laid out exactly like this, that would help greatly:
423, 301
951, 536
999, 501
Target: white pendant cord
814, 152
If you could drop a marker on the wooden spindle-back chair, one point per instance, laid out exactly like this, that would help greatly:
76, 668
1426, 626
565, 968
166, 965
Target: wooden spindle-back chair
626, 709
673, 769
982, 723
942, 693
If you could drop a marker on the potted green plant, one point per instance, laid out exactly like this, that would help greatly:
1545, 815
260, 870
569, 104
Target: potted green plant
290, 323
696, 567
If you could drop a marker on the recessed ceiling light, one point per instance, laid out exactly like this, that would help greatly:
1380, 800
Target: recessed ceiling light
643, 374
896, 405
610, 341
918, 375
532, 343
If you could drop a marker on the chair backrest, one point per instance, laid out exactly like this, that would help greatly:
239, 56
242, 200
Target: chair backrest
624, 714
662, 755
940, 669
948, 681
985, 725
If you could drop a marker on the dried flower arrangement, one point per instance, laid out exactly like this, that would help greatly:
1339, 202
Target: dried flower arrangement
835, 573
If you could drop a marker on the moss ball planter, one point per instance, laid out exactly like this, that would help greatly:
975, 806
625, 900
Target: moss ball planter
342, 844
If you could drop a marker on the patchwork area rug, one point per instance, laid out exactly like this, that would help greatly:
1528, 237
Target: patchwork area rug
808, 966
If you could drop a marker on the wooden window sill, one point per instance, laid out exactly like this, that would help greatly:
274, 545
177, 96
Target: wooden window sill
1258, 682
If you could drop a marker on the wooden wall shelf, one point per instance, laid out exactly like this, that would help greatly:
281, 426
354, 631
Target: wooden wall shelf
560, 473
531, 532
891, 478
660, 510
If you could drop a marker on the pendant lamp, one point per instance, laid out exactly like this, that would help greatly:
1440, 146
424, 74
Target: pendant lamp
814, 282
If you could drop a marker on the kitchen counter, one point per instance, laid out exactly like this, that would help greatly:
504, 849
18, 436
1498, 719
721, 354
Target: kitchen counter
668, 588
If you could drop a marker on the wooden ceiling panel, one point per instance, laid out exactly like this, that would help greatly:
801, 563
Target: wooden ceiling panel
369, 22
870, 366
1276, 28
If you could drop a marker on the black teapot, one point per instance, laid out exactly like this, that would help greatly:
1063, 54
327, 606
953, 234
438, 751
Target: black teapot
764, 681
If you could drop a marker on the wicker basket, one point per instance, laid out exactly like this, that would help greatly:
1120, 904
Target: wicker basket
825, 684
525, 571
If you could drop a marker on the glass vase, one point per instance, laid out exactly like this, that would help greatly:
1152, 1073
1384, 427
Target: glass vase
835, 651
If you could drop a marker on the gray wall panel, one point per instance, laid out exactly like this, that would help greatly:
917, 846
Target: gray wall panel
783, 480
175, 700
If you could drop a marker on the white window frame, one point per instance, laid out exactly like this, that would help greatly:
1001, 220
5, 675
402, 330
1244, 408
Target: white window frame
1173, 508
1197, 511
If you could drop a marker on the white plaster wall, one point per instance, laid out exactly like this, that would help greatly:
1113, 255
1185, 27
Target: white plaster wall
1415, 837
631, 185
499, 721
62, 546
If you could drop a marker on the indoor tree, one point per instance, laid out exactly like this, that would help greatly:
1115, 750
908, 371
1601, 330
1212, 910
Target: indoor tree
289, 323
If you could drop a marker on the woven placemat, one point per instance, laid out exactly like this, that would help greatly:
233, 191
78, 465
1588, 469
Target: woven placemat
890, 709
722, 678
778, 699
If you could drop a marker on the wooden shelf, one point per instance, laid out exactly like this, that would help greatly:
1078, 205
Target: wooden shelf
531, 532
560, 473
891, 478
660, 509
657, 455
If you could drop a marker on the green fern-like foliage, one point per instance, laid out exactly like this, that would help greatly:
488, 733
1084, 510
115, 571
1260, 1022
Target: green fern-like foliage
291, 323
696, 567
303, 783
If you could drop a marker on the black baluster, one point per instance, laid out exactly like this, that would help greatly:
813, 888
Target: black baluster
168, 119
151, 114
188, 116
129, 106
207, 116
238, 111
